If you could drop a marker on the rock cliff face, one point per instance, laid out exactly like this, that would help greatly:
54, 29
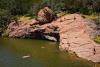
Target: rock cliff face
74, 33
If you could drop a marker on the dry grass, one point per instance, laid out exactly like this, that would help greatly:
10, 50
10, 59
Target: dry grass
93, 17
24, 19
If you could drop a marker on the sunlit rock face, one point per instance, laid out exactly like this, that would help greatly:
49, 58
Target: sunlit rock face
74, 33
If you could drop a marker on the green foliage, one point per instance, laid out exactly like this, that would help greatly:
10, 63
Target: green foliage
9, 9
4, 17
31, 7
97, 39
58, 7
34, 9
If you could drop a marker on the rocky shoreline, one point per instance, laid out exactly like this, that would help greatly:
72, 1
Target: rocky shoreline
74, 33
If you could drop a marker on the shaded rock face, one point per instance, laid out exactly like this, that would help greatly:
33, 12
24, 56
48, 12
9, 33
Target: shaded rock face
45, 15
74, 33
50, 32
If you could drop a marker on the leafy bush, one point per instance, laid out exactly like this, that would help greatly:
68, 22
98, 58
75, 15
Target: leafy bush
4, 18
97, 39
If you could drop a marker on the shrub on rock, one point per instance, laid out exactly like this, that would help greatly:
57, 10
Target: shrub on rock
97, 39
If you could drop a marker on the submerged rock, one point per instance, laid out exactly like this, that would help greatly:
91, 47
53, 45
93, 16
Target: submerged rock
50, 38
27, 56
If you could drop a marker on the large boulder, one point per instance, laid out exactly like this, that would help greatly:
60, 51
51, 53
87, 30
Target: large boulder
45, 15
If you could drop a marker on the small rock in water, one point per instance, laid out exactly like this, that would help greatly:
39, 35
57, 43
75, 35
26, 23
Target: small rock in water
24, 57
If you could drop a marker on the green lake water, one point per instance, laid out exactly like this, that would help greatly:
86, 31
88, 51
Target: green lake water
42, 54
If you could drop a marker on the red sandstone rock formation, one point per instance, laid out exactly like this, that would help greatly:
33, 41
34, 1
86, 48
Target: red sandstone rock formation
75, 33
32, 29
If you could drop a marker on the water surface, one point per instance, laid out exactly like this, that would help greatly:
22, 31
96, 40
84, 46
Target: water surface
42, 54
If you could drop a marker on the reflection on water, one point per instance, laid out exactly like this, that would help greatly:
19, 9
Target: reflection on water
42, 54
